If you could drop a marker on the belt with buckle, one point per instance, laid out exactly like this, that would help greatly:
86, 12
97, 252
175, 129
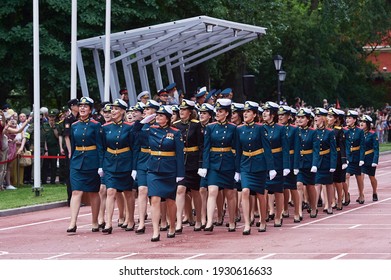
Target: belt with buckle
369, 152
222, 149
276, 150
86, 148
254, 153
353, 149
144, 150
190, 149
306, 152
324, 152
118, 151
163, 153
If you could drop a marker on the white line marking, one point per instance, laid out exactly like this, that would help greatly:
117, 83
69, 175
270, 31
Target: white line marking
56, 256
267, 256
123, 257
356, 226
339, 256
195, 256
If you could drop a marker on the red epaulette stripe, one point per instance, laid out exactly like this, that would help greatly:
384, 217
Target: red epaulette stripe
107, 123
174, 128
76, 122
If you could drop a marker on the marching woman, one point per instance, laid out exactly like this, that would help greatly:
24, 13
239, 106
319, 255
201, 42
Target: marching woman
86, 162
252, 162
276, 135
206, 117
193, 140
335, 119
117, 164
355, 154
166, 168
290, 182
219, 162
327, 157
371, 153
141, 157
309, 158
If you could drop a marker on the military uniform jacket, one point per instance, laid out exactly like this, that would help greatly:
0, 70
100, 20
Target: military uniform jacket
68, 121
219, 142
309, 148
141, 149
276, 135
371, 148
341, 145
170, 159
292, 133
118, 139
251, 139
50, 138
193, 141
86, 134
327, 149
354, 144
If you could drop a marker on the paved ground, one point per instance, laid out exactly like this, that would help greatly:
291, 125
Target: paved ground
357, 232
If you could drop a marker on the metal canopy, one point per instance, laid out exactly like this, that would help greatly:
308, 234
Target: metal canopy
183, 43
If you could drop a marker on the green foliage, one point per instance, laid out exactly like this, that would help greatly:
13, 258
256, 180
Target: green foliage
321, 42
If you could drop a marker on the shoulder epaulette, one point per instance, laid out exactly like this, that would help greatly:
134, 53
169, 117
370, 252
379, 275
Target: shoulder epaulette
372, 131
94, 121
60, 121
178, 121
293, 125
328, 129
195, 121
259, 123
337, 127
240, 125
345, 128
128, 123
311, 128
105, 124
174, 128
211, 123
76, 122
154, 126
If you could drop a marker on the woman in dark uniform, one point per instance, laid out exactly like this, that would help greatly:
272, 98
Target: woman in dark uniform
252, 154
86, 162
290, 183
371, 152
354, 152
117, 164
219, 162
309, 158
276, 135
165, 169
327, 157
142, 153
193, 140
206, 116
335, 122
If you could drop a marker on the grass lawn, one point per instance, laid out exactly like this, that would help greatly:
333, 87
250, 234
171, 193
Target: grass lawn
24, 196
385, 147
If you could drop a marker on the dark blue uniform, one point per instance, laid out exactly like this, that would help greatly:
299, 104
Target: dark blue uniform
252, 156
327, 156
87, 155
354, 149
292, 133
371, 153
166, 161
309, 155
118, 141
141, 152
276, 135
218, 155
339, 175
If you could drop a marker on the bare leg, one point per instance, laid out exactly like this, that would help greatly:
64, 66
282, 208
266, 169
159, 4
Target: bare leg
155, 211
197, 206
75, 207
213, 191
142, 205
121, 208
204, 198
312, 199
262, 210
360, 185
95, 205
130, 205
231, 201
102, 208
279, 197
180, 205
374, 184
110, 202
171, 214
246, 208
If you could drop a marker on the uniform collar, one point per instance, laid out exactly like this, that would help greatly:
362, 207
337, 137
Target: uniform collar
118, 123
164, 127
250, 123
185, 121
86, 120
223, 123
270, 123
321, 128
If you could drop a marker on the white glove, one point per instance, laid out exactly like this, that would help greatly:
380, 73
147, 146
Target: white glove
237, 176
374, 164
286, 171
202, 172
179, 179
314, 169
272, 174
295, 171
147, 119
361, 163
332, 170
344, 166
347, 162
134, 174
100, 172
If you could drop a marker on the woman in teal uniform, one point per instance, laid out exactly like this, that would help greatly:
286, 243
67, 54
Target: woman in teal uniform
219, 162
117, 164
252, 154
290, 183
371, 152
165, 169
276, 135
86, 162
327, 157
309, 159
354, 152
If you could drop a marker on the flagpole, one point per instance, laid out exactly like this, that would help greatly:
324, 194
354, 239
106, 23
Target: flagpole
107, 51
73, 49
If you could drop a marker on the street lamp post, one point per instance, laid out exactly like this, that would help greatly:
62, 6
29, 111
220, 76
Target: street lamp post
280, 74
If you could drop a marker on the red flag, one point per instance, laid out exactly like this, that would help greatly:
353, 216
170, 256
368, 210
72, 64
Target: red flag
337, 104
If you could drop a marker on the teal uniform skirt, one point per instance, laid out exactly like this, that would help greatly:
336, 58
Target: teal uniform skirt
306, 176
121, 181
290, 181
324, 177
162, 185
222, 179
353, 168
369, 170
85, 180
255, 181
277, 184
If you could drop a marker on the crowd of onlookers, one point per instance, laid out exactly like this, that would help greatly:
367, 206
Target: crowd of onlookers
16, 130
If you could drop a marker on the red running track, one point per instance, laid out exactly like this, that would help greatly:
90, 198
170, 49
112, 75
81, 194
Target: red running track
356, 232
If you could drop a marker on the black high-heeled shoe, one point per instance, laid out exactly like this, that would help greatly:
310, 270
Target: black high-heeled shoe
69, 230
246, 232
155, 239
203, 226
197, 228
95, 229
107, 230
296, 220
278, 224
102, 225
130, 228
262, 229
209, 228
120, 224
257, 224
285, 215
170, 235
329, 212
347, 202
314, 215
179, 230
164, 228
140, 230
124, 226
192, 223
